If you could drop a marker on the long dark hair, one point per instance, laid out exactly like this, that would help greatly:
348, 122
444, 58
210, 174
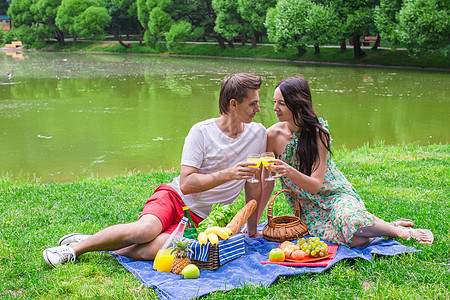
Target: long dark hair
297, 97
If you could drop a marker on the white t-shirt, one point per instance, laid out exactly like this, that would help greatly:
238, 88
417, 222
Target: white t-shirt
209, 150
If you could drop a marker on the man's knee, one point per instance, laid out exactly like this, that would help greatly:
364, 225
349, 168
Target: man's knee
147, 228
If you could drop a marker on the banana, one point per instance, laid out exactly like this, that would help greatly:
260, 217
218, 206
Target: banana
228, 230
202, 238
219, 231
213, 238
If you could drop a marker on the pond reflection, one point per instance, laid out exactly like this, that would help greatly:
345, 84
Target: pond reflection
63, 115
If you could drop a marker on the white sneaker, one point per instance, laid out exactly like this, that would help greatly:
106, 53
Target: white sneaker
59, 255
72, 238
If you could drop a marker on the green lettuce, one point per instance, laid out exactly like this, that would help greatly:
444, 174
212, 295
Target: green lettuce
221, 214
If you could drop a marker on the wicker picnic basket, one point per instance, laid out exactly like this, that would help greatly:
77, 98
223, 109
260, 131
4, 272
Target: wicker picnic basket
231, 249
284, 228
212, 263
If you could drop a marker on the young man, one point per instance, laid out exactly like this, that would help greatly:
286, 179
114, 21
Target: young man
213, 170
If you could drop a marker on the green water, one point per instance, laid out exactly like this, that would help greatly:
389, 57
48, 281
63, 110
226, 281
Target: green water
65, 115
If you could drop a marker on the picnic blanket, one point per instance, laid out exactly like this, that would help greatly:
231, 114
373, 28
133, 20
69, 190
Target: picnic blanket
245, 270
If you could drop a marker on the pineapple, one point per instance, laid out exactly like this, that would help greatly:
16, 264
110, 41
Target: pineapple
181, 250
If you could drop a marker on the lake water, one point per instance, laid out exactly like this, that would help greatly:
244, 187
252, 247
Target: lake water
63, 115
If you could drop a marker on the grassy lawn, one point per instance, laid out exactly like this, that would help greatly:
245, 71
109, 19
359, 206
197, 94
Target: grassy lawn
334, 55
403, 181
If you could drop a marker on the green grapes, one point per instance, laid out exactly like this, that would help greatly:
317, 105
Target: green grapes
313, 246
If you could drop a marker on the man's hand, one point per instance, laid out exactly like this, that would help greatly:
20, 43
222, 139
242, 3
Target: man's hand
242, 171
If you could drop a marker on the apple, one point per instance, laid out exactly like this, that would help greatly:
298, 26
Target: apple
191, 271
276, 255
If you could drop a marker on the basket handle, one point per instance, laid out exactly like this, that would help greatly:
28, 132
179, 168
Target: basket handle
270, 206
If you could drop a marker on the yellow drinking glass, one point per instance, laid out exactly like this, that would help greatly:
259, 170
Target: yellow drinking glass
254, 158
265, 157
164, 260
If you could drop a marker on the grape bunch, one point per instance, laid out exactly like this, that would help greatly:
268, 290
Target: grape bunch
313, 246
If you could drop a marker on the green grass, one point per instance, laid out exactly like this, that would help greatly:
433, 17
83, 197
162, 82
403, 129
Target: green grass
334, 55
394, 181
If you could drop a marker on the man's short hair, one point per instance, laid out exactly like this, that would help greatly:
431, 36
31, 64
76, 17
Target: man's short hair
236, 87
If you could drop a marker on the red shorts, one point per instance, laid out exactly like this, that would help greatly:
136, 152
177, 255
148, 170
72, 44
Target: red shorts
167, 206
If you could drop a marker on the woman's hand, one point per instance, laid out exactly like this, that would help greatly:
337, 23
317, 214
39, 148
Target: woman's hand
279, 167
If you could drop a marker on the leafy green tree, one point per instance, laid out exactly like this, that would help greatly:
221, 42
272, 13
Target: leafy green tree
159, 22
254, 12
178, 33
45, 12
287, 24
321, 24
126, 12
228, 20
359, 22
355, 19
20, 14
68, 13
201, 15
386, 19
92, 22
24, 26
424, 26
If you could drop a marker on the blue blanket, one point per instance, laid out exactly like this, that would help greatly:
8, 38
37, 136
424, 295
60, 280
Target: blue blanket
246, 269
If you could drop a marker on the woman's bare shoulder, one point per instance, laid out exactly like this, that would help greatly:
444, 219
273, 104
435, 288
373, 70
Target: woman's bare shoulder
278, 135
278, 129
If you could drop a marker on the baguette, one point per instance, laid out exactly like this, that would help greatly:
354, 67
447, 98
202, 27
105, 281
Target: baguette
242, 216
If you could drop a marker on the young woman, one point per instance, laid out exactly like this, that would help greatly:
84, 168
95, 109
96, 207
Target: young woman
330, 206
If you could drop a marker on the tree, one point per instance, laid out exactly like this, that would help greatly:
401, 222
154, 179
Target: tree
254, 12
20, 14
355, 19
228, 21
386, 19
424, 26
287, 24
178, 33
321, 24
45, 12
359, 22
131, 8
22, 21
92, 22
69, 11
159, 22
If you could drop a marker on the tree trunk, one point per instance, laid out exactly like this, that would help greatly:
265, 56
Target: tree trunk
377, 43
117, 36
316, 49
60, 37
254, 39
230, 43
244, 37
357, 47
301, 50
140, 28
343, 45
219, 38
75, 39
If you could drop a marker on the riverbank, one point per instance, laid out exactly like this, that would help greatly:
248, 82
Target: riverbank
329, 55
394, 181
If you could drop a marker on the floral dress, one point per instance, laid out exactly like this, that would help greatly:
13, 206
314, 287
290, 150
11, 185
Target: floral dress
336, 212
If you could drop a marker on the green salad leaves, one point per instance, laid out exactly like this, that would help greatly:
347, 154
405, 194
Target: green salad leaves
221, 214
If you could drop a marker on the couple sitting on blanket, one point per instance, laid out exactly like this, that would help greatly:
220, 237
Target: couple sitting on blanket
214, 169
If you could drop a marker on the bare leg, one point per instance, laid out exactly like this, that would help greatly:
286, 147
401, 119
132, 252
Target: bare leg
383, 228
145, 251
115, 237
